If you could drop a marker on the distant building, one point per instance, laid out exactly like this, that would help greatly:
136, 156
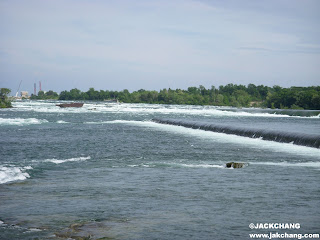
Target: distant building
24, 94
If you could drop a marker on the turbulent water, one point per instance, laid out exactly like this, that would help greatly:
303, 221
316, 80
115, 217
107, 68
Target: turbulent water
107, 171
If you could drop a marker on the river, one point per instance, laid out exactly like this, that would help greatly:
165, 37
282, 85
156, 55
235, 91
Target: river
109, 171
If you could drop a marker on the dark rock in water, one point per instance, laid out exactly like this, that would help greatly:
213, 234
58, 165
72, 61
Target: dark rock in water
73, 232
67, 105
234, 165
75, 227
86, 231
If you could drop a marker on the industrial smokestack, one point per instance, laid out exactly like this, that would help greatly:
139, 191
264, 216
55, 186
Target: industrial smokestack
35, 89
40, 86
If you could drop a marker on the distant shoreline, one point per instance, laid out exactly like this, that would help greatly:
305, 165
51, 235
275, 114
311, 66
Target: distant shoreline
233, 95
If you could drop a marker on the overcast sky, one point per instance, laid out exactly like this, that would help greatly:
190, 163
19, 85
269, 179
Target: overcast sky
116, 45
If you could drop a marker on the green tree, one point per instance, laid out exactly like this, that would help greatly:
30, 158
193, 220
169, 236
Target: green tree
41, 95
93, 94
51, 95
228, 95
4, 101
242, 98
193, 90
219, 100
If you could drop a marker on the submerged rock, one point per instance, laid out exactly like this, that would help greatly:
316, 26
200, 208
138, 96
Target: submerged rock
86, 231
234, 165
73, 232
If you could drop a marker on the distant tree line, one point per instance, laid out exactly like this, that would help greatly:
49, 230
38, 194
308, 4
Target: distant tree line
4, 100
228, 95
45, 95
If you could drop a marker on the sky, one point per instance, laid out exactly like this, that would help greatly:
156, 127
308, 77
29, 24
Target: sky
156, 44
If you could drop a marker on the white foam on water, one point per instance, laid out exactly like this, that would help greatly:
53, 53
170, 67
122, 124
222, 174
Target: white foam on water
311, 164
59, 161
21, 121
196, 110
33, 230
201, 165
177, 165
11, 174
102, 122
257, 143
142, 109
61, 121
133, 165
110, 122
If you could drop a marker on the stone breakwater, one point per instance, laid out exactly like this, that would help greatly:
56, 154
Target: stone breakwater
309, 140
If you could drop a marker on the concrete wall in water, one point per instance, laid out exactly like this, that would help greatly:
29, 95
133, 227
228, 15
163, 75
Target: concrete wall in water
310, 140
